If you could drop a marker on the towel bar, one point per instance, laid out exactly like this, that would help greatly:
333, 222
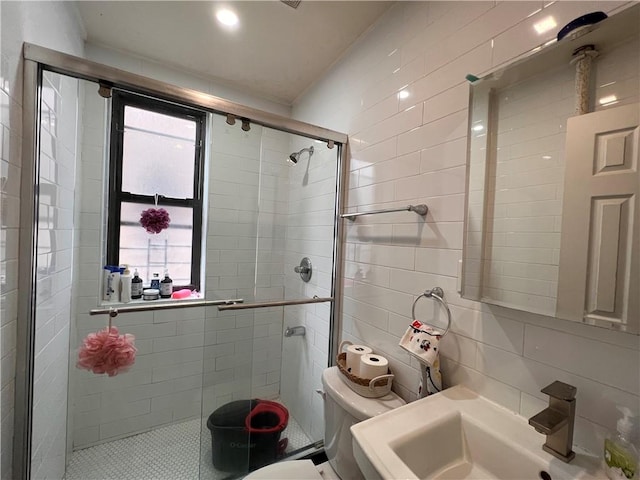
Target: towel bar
421, 209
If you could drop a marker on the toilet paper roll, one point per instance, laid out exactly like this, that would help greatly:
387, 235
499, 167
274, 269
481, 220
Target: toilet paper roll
372, 366
354, 353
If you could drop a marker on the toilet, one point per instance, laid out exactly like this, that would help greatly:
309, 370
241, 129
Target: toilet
342, 408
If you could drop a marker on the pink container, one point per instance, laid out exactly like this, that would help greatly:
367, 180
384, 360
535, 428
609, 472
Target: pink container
184, 293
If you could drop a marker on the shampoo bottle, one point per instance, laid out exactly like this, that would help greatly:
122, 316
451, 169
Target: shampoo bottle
620, 455
106, 283
115, 284
125, 284
155, 281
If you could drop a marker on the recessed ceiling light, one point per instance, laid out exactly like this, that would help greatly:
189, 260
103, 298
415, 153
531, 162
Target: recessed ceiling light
402, 94
227, 17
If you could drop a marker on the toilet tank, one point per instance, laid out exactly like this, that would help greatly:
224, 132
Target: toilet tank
342, 408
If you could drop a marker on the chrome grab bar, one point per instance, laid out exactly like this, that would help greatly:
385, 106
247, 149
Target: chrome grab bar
421, 209
122, 308
276, 303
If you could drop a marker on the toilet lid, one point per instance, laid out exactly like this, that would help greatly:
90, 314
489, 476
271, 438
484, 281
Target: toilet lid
293, 470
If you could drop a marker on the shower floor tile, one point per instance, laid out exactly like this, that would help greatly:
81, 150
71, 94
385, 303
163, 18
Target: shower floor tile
166, 453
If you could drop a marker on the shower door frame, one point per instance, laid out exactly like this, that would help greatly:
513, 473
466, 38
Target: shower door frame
37, 59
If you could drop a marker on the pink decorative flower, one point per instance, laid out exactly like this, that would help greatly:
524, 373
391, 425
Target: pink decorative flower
154, 220
107, 352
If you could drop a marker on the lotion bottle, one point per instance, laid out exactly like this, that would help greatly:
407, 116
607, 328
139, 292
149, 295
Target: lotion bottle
125, 285
620, 455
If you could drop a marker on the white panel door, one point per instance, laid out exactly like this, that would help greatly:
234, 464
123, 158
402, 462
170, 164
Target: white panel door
599, 253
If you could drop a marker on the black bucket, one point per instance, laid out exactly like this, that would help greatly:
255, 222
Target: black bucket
245, 434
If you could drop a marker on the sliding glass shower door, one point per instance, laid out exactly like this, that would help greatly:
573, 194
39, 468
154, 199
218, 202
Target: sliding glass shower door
212, 393
266, 214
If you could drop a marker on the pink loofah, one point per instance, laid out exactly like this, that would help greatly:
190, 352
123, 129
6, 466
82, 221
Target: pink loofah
154, 220
107, 352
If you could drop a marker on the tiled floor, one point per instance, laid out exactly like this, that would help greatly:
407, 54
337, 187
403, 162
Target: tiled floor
167, 453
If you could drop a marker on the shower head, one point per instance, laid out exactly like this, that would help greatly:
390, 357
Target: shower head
295, 156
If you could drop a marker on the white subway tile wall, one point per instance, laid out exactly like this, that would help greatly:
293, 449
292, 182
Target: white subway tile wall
57, 26
425, 49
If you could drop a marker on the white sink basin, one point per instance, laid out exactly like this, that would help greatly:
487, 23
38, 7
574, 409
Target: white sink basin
458, 434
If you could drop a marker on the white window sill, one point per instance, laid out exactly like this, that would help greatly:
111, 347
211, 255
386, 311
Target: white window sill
159, 301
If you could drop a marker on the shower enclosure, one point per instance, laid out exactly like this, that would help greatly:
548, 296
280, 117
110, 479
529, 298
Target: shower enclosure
197, 361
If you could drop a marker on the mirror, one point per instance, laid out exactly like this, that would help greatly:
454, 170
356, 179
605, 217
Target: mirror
541, 235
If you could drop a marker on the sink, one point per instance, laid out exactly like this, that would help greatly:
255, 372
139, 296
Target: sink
459, 434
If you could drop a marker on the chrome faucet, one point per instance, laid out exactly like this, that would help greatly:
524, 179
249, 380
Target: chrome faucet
556, 421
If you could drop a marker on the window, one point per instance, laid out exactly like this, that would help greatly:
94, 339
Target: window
156, 161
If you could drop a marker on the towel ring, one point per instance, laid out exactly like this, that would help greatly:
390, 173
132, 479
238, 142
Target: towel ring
438, 294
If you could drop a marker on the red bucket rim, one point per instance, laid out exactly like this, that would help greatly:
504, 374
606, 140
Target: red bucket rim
264, 406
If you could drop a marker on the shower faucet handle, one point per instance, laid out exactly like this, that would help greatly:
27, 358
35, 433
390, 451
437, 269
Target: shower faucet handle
299, 331
304, 269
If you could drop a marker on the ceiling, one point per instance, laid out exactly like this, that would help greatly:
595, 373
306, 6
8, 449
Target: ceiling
276, 52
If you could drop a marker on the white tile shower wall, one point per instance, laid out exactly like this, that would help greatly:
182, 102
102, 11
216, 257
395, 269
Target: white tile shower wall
55, 25
426, 49
310, 233
164, 385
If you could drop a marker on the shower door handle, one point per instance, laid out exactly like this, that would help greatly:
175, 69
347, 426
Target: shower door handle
276, 303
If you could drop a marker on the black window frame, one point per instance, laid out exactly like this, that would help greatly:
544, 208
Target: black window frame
121, 100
